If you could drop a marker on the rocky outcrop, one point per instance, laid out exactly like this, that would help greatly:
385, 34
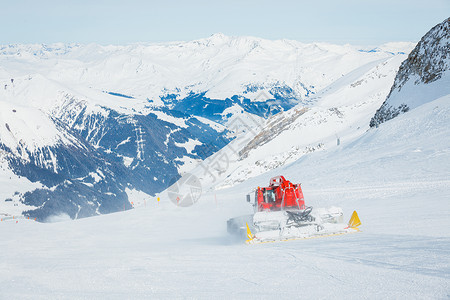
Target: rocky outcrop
426, 65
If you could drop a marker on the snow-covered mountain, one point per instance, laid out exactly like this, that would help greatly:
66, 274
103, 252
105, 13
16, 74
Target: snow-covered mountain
87, 155
423, 77
333, 117
252, 72
86, 126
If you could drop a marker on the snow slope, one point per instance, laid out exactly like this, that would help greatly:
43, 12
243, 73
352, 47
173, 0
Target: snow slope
400, 190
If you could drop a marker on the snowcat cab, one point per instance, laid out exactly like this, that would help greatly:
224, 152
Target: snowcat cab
281, 194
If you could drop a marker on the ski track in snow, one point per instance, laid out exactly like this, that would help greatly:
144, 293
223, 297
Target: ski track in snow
350, 266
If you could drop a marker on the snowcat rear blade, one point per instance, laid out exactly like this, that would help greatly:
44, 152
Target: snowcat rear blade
327, 230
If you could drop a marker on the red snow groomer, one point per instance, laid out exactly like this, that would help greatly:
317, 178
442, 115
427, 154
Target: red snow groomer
281, 214
280, 194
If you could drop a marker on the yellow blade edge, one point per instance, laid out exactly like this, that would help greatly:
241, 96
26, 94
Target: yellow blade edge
249, 235
354, 221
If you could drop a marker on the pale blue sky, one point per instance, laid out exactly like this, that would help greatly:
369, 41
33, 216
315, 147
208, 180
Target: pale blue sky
123, 22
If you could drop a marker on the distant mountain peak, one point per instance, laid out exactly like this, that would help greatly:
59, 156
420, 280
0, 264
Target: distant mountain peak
218, 35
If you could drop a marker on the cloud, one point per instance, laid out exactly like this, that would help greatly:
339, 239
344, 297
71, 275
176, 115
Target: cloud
62, 217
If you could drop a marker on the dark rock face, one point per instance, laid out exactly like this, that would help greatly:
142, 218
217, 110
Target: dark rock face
427, 63
72, 187
387, 112
429, 59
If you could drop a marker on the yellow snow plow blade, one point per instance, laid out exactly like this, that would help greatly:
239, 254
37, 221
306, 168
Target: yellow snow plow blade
354, 221
249, 234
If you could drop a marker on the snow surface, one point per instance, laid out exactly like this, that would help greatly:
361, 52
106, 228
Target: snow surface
396, 176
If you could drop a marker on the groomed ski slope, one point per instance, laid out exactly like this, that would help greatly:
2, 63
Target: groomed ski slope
396, 176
